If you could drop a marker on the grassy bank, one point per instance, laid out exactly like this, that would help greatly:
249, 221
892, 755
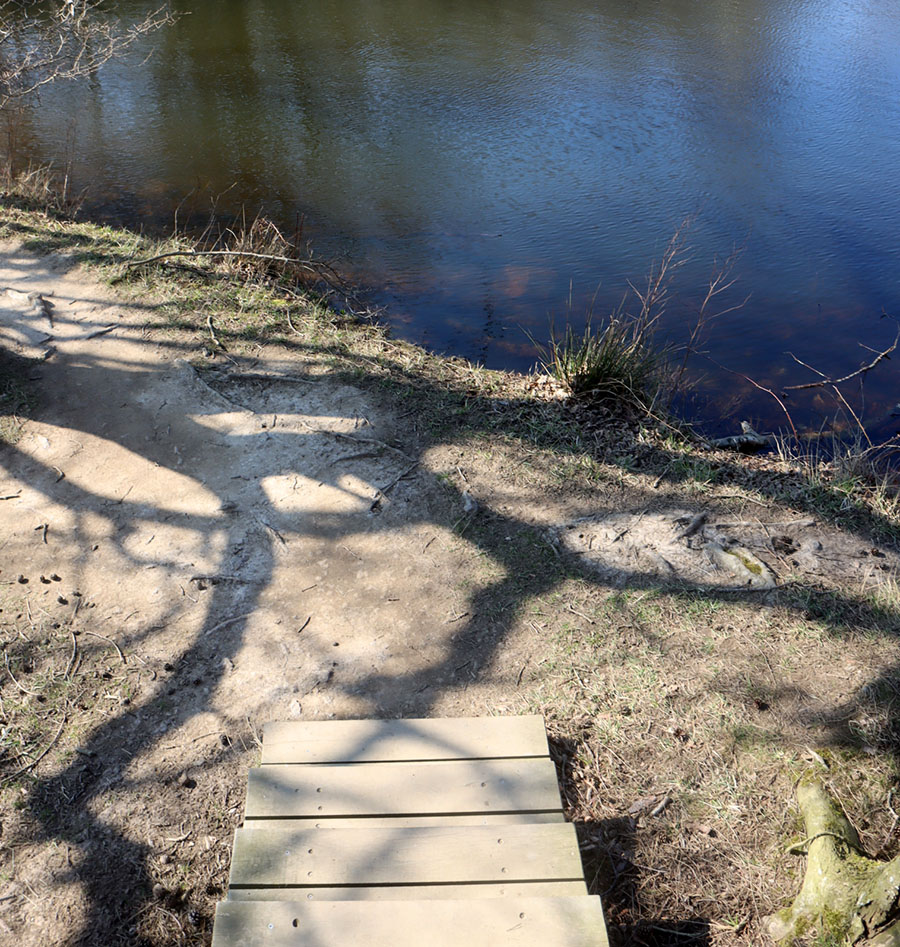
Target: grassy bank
681, 714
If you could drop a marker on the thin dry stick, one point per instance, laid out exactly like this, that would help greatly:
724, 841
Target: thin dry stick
859, 423
760, 387
94, 634
226, 623
303, 264
21, 687
380, 493
837, 381
74, 656
34, 762
722, 279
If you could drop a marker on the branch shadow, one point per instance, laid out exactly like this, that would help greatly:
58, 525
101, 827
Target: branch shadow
67, 805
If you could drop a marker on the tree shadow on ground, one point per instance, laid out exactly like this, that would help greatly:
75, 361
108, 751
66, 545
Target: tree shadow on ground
67, 806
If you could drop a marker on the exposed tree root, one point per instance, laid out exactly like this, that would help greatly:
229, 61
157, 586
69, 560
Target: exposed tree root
846, 897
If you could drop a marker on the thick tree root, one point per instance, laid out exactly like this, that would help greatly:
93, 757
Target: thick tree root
846, 896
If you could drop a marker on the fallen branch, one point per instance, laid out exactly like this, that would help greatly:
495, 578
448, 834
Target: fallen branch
838, 381
272, 258
376, 499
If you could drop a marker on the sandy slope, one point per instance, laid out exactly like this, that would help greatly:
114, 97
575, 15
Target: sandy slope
233, 543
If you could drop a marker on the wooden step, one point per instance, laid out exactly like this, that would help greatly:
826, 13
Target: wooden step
443, 787
524, 889
371, 741
395, 833
409, 821
523, 922
308, 858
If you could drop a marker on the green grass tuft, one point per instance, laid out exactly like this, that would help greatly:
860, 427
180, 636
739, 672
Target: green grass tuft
617, 362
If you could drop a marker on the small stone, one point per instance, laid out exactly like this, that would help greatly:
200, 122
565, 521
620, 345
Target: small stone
186, 780
160, 892
22, 580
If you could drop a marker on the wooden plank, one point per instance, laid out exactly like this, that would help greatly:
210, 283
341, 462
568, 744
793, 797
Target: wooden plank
468, 854
425, 788
407, 822
525, 922
537, 889
459, 738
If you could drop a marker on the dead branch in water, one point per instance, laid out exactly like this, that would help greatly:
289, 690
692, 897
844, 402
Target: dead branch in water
825, 381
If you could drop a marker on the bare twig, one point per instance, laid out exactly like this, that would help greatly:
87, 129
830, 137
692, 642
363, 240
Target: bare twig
94, 634
74, 656
36, 760
838, 381
70, 43
21, 687
376, 499
226, 623
760, 387
97, 333
270, 257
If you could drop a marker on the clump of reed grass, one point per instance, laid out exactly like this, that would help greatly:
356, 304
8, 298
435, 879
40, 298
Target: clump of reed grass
38, 187
619, 360
622, 358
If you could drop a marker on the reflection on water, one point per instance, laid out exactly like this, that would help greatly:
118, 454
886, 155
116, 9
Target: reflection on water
477, 161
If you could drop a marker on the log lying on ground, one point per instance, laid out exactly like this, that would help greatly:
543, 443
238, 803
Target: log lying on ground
748, 442
846, 895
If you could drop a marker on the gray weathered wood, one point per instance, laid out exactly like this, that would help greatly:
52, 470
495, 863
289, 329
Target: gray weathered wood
543, 889
455, 855
425, 788
409, 822
341, 741
523, 922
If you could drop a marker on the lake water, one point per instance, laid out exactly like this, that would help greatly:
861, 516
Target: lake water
479, 164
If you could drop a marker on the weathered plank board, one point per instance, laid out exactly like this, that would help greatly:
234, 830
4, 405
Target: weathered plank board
409, 822
424, 788
454, 855
524, 889
342, 741
526, 922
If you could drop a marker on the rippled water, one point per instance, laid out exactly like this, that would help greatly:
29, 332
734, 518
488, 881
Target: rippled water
482, 163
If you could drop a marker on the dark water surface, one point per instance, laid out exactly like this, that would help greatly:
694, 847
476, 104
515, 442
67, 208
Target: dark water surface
479, 160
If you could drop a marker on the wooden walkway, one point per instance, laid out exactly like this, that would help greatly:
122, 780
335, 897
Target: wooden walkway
433, 833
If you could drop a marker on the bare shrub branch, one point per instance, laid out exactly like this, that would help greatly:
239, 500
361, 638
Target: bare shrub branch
825, 381
70, 39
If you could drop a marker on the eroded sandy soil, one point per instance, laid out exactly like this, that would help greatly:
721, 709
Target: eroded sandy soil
190, 547
257, 548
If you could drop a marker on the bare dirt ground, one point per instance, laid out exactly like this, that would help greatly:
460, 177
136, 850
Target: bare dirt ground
261, 551
189, 553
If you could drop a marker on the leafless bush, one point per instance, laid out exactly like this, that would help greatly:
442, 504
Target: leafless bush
65, 39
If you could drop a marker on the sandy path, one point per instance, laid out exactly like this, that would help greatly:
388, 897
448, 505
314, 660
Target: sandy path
230, 541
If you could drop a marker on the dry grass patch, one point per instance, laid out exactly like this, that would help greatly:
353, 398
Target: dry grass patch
679, 726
